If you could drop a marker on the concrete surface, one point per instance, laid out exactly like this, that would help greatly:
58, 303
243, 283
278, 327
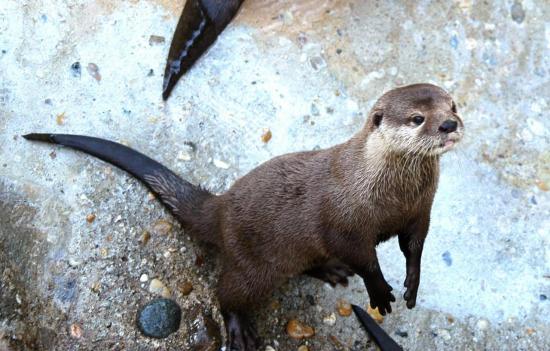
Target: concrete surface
308, 71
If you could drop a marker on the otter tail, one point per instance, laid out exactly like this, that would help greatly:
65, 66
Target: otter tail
198, 27
187, 202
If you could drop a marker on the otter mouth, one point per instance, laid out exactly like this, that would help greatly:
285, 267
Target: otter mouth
450, 143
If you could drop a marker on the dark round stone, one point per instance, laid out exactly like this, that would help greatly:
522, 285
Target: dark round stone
517, 11
159, 318
76, 69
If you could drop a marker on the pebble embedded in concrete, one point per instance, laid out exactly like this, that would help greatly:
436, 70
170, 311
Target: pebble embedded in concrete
157, 287
517, 12
299, 330
344, 308
159, 318
204, 334
330, 319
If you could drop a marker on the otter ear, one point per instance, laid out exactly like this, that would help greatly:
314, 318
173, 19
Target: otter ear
377, 118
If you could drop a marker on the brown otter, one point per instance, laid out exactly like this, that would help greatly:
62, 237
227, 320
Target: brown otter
317, 212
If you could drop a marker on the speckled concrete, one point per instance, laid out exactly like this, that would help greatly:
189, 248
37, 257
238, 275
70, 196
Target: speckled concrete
308, 71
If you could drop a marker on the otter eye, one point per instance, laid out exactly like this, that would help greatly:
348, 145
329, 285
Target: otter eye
453, 107
418, 120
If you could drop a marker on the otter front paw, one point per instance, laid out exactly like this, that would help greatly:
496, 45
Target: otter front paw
380, 295
411, 283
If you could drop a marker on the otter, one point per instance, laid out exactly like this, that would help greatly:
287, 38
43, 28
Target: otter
320, 212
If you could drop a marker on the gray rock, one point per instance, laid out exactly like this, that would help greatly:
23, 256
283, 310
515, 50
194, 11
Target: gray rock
517, 12
159, 318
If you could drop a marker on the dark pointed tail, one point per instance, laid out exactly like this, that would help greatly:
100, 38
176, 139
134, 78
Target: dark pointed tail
198, 27
380, 337
185, 200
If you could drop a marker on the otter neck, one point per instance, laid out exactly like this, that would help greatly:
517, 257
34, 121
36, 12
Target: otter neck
384, 174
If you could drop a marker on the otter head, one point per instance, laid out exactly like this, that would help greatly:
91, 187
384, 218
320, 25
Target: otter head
417, 119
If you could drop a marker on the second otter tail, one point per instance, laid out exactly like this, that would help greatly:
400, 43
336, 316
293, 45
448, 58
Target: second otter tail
185, 200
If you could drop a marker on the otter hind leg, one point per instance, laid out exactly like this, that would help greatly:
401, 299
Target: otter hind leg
240, 289
332, 272
241, 334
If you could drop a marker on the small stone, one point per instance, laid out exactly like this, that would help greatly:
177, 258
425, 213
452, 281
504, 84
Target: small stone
543, 297
401, 333
104, 252
517, 12
185, 288
530, 331
93, 70
76, 331
144, 278
221, 164
76, 69
157, 287
330, 319
266, 135
454, 41
375, 314
162, 227
303, 348
542, 185
444, 333
317, 63
447, 258
145, 236
205, 333
156, 39
344, 308
90, 218
74, 263
338, 51
184, 155
298, 330
482, 324
159, 318
60, 119
96, 287
314, 110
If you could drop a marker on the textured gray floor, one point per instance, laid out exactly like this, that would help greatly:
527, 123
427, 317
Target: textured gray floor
308, 71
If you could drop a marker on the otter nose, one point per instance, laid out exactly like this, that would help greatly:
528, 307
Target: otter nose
448, 126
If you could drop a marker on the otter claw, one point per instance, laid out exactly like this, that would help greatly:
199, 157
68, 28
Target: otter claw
380, 295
